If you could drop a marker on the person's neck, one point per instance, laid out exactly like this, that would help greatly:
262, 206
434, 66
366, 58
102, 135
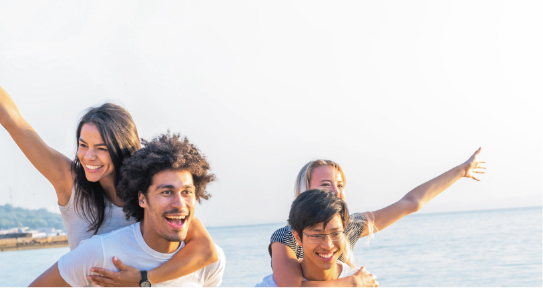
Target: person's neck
312, 272
108, 184
155, 241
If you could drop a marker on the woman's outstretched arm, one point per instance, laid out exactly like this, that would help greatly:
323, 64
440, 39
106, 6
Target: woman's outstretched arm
288, 272
51, 163
422, 194
198, 253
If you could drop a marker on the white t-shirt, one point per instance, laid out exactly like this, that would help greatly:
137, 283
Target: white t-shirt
77, 226
130, 247
269, 281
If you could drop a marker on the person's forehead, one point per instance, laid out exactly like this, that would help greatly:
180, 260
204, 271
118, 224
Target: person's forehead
90, 132
334, 224
175, 178
326, 173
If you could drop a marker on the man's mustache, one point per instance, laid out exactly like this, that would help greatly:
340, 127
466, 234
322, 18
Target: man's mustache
177, 211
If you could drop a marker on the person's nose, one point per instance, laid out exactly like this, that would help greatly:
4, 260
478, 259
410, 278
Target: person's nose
90, 155
327, 242
334, 189
178, 201
340, 194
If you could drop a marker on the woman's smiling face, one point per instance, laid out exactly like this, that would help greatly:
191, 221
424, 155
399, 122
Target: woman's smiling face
329, 178
94, 155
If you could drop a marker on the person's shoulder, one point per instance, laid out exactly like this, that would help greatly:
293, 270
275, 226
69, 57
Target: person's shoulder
219, 264
285, 229
112, 240
355, 227
220, 252
127, 231
356, 217
281, 233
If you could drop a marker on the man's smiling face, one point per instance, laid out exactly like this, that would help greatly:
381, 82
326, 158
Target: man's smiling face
169, 205
322, 256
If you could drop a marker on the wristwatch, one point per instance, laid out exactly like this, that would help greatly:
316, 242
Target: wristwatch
144, 281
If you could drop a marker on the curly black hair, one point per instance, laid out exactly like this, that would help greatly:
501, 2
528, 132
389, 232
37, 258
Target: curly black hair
165, 152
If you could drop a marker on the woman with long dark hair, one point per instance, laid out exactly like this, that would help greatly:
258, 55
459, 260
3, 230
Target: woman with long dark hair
327, 174
86, 186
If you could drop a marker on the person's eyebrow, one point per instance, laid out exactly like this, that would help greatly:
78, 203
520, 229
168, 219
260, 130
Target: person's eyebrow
165, 186
315, 229
170, 186
101, 144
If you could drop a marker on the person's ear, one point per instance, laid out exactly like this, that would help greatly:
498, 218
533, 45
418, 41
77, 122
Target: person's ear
297, 237
142, 200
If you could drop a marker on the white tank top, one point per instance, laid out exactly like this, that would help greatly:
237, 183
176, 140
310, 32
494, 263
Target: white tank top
76, 225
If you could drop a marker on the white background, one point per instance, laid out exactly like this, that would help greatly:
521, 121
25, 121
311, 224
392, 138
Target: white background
396, 92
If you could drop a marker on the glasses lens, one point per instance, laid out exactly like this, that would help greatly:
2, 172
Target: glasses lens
315, 239
336, 236
318, 238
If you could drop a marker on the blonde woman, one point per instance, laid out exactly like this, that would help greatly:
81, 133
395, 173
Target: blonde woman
327, 174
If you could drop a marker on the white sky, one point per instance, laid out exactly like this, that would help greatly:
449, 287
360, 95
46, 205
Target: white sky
397, 92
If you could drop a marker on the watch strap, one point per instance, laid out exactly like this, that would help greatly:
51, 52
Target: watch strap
144, 281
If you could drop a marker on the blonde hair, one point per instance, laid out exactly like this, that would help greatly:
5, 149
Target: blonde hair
368, 221
304, 176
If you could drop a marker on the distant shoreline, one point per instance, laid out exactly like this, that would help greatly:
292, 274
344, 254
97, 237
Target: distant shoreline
36, 246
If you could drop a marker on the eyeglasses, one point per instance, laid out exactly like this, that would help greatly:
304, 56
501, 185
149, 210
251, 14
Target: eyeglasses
318, 238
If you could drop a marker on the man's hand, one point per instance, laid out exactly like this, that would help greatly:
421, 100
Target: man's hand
474, 165
127, 277
363, 279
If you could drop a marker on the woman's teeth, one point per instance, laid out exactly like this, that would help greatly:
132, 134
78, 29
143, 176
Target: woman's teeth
92, 167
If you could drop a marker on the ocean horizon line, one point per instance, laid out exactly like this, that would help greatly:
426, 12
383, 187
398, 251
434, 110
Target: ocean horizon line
411, 215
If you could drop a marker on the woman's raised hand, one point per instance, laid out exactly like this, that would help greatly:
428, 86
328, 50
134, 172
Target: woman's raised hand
474, 165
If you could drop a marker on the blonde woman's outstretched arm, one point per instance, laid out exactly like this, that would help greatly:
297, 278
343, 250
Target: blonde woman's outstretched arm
422, 194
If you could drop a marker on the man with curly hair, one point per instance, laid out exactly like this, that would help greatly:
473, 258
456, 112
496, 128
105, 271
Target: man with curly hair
159, 185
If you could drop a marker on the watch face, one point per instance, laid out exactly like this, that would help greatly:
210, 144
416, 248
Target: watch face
145, 284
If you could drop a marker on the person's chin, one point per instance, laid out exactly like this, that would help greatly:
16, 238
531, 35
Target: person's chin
92, 178
176, 235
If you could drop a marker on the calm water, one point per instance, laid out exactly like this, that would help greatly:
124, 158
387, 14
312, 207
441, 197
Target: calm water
480, 248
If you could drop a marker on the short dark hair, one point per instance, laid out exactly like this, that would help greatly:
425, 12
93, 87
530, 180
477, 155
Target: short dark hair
165, 152
316, 206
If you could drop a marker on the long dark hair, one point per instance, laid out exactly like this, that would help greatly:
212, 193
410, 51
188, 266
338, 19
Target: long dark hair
119, 133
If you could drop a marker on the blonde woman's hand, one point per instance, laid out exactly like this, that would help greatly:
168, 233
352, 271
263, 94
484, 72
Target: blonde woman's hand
474, 165
363, 278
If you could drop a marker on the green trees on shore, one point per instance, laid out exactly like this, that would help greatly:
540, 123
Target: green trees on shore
11, 217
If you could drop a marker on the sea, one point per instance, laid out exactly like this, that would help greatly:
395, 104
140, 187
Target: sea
475, 248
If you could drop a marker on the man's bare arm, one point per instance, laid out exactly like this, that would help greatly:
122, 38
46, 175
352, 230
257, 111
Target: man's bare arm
50, 278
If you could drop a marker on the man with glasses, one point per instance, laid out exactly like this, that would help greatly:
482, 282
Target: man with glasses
317, 219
